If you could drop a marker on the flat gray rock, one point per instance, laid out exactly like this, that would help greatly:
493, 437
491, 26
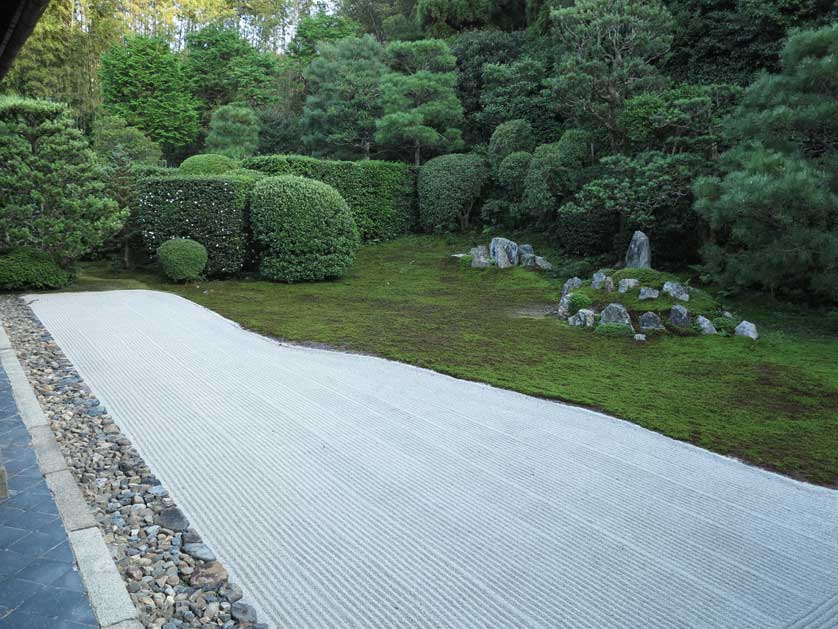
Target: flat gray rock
676, 291
344, 490
543, 264
648, 293
650, 321
626, 285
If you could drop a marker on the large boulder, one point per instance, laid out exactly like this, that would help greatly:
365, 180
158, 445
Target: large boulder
571, 285
648, 293
615, 313
509, 248
705, 325
502, 260
583, 318
650, 321
627, 284
679, 316
676, 290
746, 328
639, 254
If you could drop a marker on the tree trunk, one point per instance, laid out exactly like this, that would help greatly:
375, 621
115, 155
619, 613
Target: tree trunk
417, 155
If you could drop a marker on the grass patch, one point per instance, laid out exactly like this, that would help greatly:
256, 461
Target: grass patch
773, 402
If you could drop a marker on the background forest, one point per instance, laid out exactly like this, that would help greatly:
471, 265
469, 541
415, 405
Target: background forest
711, 125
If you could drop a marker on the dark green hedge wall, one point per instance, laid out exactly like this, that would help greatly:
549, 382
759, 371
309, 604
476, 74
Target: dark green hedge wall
211, 210
381, 195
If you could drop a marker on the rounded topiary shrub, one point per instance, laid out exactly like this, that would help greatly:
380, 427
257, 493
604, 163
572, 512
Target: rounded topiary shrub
303, 229
449, 188
207, 164
182, 259
26, 269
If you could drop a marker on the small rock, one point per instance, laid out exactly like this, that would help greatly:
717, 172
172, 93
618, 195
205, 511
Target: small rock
639, 254
208, 576
199, 551
649, 293
571, 285
480, 257
706, 325
640, 337
522, 249
243, 612
679, 316
507, 246
134, 572
727, 315
173, 519
676, 290
627, 284
598, 281
608, 285
583, 318
543, 264
615, 313
527, 260
502, 260
650, 321
746, 328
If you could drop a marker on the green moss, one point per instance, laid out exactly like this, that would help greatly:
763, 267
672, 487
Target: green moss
773, 403
614, 330
647, 277
725, 325
701, 302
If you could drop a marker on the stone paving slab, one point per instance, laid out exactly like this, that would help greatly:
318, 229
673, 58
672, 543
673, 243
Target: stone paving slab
348, 491
40, 585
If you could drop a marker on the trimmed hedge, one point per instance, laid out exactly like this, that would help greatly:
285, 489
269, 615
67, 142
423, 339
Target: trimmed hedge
304, 229
449, 188
210, 209
26, 269
182, 259
207, 164
381, 195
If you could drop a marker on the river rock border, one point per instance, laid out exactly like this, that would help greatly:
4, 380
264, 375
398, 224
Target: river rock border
173, 578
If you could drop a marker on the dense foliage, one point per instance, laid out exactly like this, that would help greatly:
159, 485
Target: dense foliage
26, 269
450, 187
182, 259
207, 164
209, 209
380, 194
233, 131
303, 229
52, 191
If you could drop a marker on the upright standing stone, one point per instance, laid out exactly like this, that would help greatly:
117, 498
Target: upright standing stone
615, 313
639, 254
502, 259
598, 281
571, 285
509, 247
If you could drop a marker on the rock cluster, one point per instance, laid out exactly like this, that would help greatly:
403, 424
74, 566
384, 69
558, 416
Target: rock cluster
173, 577
504, 254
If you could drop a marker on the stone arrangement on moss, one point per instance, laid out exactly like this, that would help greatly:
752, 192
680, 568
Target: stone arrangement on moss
643, 301
504, 254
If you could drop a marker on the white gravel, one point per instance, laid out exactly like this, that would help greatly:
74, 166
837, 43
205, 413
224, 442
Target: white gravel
348, 491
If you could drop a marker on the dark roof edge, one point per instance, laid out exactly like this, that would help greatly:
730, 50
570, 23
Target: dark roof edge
22, 16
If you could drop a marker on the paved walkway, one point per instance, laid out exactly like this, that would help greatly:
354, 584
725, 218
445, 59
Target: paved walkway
347, 491
40, 586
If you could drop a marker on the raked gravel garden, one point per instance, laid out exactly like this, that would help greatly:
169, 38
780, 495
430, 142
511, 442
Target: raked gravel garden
173, 578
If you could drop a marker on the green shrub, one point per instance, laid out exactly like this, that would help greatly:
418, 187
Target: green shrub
512, 173
514, 136
53, 195
614, 330
207, 164
381, 195
578, 301
725, 326
31, 270
585, 228
303, 228
449, 187
211, 210
182, 259
233, 131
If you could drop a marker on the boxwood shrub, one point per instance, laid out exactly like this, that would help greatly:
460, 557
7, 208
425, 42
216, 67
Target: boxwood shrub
303, 229
381, 195
26, 269
182, 259
210, 209
450, 186
207, 164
